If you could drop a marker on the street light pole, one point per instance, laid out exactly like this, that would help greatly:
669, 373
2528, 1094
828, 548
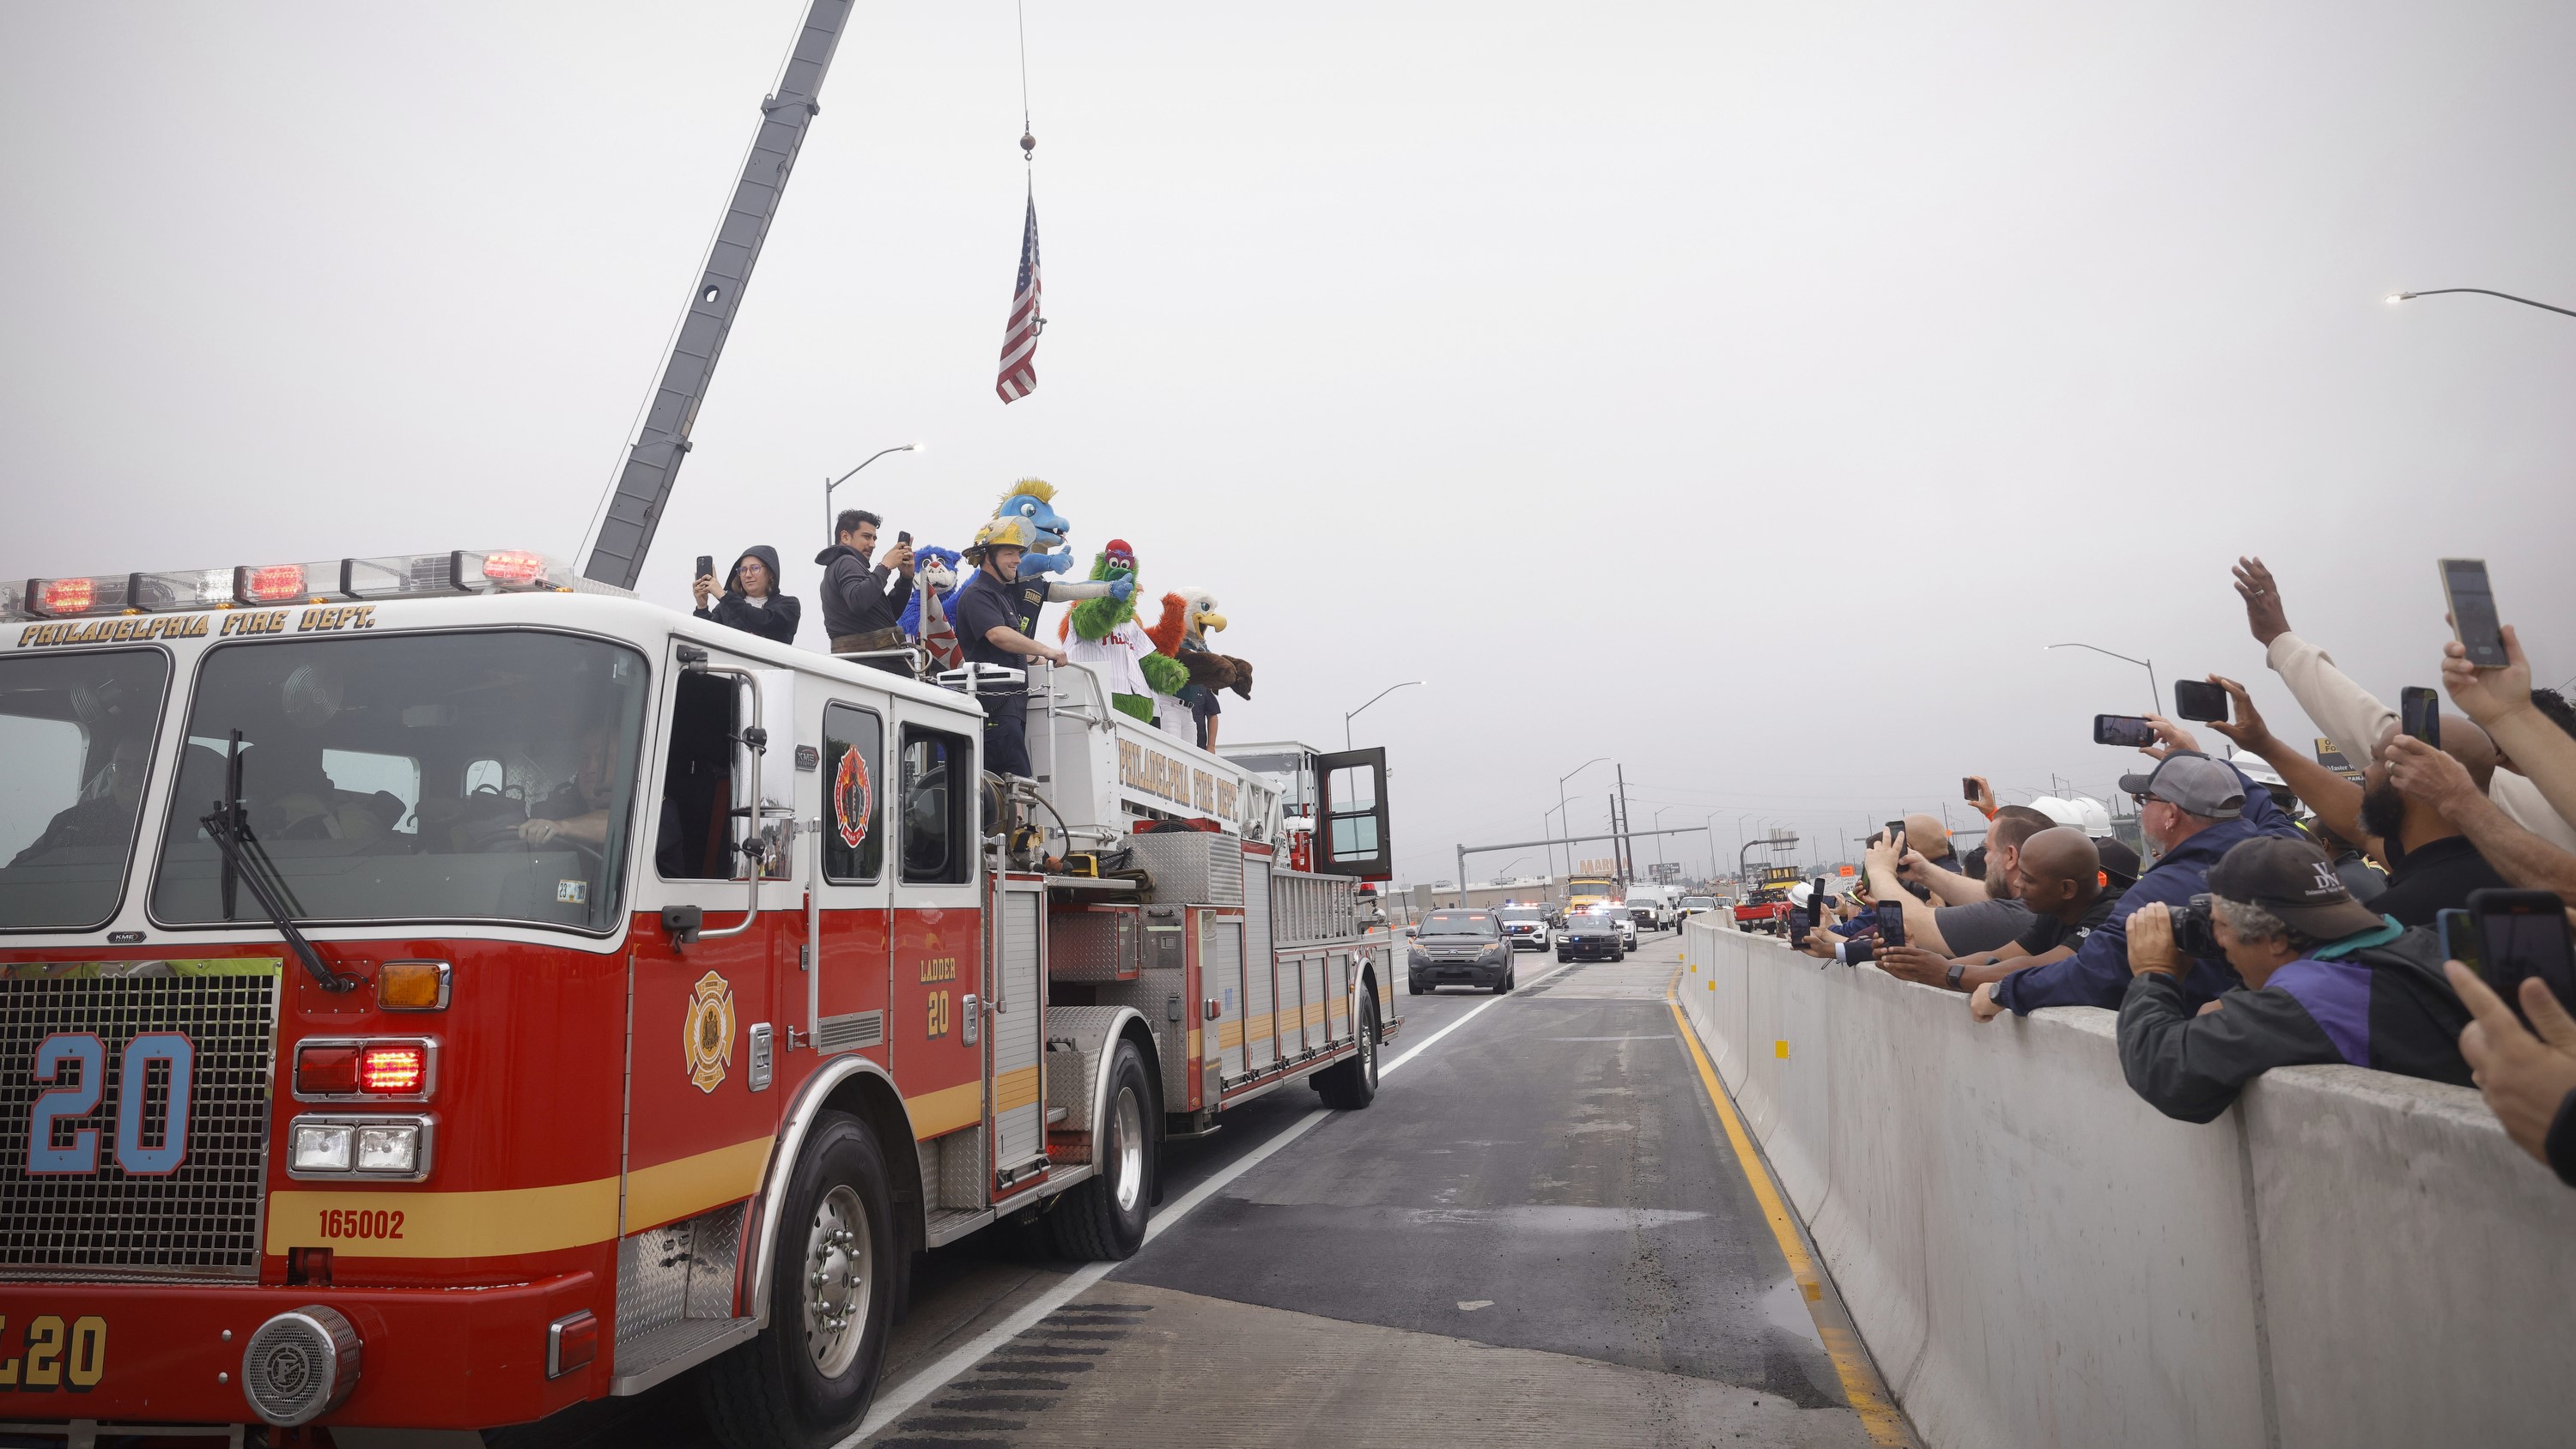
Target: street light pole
2398, 297
1567, 820
829, 484
1372, 699
2155, 691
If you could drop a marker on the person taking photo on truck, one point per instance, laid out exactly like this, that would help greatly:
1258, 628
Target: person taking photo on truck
750, 600
2327, 979
862, 602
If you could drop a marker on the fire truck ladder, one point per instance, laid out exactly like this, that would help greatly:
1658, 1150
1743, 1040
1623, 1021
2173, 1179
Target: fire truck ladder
653, 463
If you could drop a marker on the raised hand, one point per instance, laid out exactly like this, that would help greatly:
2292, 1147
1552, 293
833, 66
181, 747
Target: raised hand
2173, 737
2525, 1078
2487, 695
2263, 611
2247, 730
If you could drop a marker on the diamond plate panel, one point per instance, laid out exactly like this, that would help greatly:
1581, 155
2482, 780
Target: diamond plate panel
678, 1271
1096, 943
1192, 867
202, 1219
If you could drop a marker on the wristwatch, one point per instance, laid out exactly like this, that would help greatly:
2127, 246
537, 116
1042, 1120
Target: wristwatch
1957, 969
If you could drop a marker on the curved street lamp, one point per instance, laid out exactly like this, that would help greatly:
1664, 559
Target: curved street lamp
829, 518
2397, 297
1564, 820
2155, 692
1372, 699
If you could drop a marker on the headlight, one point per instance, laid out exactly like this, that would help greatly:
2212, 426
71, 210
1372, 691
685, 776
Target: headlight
323, 1147
1419, 957
394, 1148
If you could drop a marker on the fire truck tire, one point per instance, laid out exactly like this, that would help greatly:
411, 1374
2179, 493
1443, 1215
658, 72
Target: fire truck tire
1103, 1220
1349, 1086
803, 1382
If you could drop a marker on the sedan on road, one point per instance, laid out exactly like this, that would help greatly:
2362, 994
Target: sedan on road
1591, 938
1460, 948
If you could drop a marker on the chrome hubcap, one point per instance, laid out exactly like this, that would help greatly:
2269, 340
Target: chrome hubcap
837, 1281
1131, 1150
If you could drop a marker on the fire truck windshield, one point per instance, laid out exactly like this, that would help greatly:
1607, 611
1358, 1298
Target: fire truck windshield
447, 776
76, 731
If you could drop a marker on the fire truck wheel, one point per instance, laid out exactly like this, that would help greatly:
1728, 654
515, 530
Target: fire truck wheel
807, 1379
1351, 1085
1104, 1218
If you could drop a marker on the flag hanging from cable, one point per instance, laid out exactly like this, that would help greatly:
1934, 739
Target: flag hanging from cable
1020, 339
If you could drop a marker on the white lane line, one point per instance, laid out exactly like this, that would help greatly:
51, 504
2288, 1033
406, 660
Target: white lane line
894, 1403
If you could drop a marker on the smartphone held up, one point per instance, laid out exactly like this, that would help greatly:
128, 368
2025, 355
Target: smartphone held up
2200, 701
2419, 713
2473, 611
2134, 731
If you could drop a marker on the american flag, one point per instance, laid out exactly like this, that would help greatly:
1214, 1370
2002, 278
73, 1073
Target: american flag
1020, 340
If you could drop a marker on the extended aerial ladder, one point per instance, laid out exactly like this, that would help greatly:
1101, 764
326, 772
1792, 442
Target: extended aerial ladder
653, 461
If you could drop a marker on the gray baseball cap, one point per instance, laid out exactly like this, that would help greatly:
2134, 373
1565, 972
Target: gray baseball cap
2194, 782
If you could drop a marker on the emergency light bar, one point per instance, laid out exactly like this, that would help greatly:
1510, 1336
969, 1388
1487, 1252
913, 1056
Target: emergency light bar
460, 571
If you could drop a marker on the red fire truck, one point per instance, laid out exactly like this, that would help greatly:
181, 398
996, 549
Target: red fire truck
438, 990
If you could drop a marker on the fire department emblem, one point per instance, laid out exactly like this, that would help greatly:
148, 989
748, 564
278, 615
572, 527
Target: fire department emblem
707, 1033
853, 798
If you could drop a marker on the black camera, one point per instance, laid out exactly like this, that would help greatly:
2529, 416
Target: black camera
2191, 931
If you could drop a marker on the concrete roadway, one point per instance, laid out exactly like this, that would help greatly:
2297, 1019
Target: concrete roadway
1537, 1234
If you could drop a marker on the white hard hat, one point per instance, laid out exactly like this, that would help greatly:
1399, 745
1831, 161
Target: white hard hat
2096, 817
2059, 812
1798, 893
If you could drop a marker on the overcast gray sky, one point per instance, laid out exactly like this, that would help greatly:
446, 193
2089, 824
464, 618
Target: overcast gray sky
1744, 392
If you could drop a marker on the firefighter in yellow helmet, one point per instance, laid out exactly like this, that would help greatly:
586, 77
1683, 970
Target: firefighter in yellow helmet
997, 621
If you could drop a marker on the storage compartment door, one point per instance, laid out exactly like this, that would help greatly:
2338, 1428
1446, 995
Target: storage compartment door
1019, 1094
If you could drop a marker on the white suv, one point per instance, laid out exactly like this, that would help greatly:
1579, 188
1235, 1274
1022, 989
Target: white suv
1526, 928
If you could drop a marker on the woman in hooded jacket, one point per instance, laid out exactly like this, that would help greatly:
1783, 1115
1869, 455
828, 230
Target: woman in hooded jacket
751, 601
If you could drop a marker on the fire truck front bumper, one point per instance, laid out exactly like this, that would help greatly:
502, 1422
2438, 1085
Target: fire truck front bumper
205, 1354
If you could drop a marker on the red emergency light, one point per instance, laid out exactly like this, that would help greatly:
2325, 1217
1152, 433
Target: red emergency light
65, 596
515, 568
362, 1069
268, 583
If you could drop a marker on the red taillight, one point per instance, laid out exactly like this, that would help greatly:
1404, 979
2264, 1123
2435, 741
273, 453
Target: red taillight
66, 596
513, 567
571, 1342
268, 583
393, 1069
327, 1071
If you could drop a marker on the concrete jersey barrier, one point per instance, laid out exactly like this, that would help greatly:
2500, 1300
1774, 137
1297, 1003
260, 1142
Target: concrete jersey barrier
2037, 1257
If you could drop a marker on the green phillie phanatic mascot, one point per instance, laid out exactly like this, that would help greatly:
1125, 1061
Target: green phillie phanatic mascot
1105, 634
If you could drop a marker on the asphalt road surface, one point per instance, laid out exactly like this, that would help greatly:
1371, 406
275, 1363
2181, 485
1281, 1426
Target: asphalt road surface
1537, 1234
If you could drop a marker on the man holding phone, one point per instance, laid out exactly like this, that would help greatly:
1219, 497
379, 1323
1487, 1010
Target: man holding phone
2343, 710
859, 606
2193, 808
2432, 864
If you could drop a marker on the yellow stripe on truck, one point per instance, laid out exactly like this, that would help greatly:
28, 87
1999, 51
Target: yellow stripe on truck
669, 1191
946, 1110
1015, 1089
494, 1224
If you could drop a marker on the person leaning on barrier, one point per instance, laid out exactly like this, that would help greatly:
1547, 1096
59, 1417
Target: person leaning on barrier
2194, 808
1975, 914
860, 606
751, 601
2061, 881
2326, 980
2529, 1081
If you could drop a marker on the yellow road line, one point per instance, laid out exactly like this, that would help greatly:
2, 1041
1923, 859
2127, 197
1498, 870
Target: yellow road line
1867, 1395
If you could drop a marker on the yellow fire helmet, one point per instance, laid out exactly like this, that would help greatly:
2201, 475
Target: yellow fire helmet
996, 533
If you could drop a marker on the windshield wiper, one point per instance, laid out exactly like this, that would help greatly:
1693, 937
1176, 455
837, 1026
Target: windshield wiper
246, 862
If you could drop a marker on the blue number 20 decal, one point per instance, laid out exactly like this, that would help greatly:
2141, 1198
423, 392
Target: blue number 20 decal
78, 1100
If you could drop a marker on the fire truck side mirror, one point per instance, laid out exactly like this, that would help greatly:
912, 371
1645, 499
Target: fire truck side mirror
681, 923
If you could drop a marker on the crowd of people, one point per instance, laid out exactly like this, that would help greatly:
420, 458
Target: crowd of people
2273, 924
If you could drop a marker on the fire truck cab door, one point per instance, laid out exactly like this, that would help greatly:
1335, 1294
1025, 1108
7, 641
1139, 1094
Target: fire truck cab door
1350, 815
708, 1017
936, 1010
850, 989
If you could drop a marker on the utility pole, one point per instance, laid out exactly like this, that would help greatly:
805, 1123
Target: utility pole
1627, 851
